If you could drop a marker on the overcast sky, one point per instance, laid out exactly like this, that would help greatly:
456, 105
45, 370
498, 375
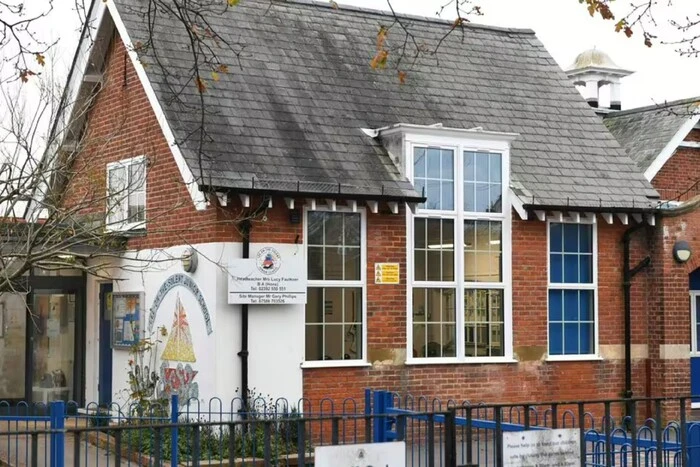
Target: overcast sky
563, 26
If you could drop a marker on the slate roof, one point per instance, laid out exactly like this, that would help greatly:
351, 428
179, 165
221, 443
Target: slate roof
290, 115
645, 131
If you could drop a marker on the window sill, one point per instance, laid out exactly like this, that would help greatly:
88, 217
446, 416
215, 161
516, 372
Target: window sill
574, 358
336, 364
132, 229
459, 361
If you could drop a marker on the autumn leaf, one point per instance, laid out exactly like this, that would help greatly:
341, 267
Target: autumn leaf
25, 74
222, 68
379, 60
201, 84
214, 76
458, 22
381, 37
233, 2
620, 25
628, 31
402, 77
334, 5
40, 59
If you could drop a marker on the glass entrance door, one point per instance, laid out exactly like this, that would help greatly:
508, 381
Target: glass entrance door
52, 343
13, 346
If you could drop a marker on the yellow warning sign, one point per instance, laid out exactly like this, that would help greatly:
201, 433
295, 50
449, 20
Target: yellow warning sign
386, 273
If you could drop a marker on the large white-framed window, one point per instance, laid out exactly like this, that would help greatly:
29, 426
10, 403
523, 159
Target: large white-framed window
572, 304
459, 252
336, 307
126, 194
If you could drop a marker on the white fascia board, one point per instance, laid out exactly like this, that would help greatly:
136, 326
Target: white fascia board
518, 205
439, 131
670, 148
197, 196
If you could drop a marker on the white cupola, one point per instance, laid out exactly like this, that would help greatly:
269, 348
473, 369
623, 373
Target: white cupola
593, 69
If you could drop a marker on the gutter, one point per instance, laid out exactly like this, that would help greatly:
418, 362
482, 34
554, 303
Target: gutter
246, 227
627, 276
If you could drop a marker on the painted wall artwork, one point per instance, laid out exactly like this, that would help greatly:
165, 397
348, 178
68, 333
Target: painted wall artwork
176, 378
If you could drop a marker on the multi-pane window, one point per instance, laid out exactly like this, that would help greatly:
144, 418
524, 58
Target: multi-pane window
126, 193
334, 308
458, 295
572, 289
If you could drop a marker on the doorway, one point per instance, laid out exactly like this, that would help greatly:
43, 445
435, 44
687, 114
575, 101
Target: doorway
42, 340
694, 283
104, 383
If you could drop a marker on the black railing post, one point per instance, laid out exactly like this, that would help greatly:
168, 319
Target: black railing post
35, 449
400, 427
582, 431
118, 447
633, 434
684, 434
527, 416
468, 428
267, 451
368, 428
301, 442
431, 440
196, 445
231, 445
555, 416
335, 422
498, 442
659, 434
76, 448
158, 442
608, 435
450, 438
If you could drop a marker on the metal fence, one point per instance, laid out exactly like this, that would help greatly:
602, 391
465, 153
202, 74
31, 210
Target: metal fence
276, 433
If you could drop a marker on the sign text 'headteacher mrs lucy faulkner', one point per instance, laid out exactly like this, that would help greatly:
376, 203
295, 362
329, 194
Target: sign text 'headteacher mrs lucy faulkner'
273, 276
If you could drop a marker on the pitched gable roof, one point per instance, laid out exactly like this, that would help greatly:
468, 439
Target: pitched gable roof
650, 134
290, 117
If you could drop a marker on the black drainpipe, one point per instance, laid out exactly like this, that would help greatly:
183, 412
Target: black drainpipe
245, 226
628, 273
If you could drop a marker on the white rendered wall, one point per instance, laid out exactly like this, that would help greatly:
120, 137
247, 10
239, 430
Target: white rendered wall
276, 333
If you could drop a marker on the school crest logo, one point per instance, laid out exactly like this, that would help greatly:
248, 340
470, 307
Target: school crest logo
268, 260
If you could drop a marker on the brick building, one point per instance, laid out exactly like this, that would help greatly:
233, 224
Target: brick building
510, 213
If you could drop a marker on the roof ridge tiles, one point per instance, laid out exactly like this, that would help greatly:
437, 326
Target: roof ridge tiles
660, 106
345, 7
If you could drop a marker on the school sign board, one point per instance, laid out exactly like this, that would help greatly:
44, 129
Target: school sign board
542, 448
361, 455
274, 275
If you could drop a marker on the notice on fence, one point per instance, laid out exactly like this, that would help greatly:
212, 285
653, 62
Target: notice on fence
361, 455
542, 448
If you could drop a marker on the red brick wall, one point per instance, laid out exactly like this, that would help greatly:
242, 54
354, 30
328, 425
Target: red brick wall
679, 177
530, 379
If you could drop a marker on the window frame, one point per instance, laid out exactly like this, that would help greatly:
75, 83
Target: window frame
362, 283
593, 286
126, 164
490, 143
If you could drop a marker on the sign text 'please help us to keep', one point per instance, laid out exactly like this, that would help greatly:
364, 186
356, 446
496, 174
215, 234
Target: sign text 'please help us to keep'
272, 276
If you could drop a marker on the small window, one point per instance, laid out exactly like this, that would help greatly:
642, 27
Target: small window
126, 194
572, 289
334, 307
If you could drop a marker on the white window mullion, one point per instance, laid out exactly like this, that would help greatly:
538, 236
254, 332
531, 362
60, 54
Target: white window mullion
459, 250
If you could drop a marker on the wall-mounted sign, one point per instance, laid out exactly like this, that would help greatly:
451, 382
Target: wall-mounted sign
126, 318
272, 276
543, 448
386, 273
362, 455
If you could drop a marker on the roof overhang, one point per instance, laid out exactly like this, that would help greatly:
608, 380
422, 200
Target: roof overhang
438, 129
670, 148
578, 214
